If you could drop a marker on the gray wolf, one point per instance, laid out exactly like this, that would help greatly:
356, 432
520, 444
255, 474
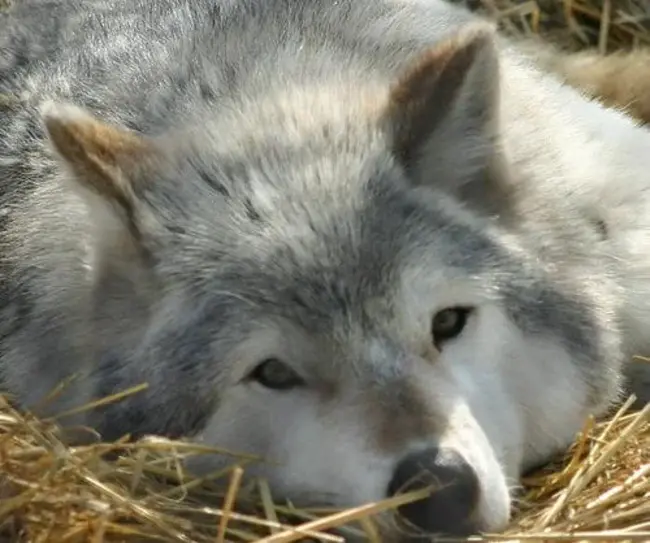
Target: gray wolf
365, 240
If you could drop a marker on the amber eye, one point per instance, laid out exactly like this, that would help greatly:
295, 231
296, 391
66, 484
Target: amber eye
448, 324
276, 375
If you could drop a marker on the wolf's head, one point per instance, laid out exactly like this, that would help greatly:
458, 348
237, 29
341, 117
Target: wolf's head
332, 278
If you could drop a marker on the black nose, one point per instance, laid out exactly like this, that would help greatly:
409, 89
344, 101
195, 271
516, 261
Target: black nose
449, 509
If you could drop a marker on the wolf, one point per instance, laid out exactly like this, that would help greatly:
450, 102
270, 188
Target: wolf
368, 241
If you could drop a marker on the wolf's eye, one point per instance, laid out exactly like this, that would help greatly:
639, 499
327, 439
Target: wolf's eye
274, 374
448, 323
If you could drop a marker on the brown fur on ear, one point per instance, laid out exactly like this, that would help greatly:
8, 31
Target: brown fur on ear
425, 94
442, 118
101, 156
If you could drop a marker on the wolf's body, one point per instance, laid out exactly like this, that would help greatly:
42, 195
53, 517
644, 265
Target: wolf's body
311, 182
620, 79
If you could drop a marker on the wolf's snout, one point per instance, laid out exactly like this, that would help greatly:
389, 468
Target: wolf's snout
450, 507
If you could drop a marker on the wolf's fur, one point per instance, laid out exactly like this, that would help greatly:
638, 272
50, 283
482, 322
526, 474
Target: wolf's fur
190, 187
620, 79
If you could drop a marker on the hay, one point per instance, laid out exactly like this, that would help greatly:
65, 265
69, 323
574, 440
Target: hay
606, 25
53, 492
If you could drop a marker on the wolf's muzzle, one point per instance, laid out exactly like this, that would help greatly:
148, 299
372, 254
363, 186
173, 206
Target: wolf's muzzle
450, 509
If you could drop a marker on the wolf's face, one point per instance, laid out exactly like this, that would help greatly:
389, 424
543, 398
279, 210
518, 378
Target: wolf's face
323, 288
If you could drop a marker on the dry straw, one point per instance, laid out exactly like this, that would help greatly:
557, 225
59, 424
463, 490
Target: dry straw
600, 491
52, 492
604, 25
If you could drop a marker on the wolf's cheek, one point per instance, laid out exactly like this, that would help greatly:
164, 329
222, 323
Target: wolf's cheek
477, 366
523, 388
309, 455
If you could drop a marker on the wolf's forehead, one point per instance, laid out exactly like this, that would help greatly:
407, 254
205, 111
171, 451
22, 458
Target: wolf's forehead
289, 126
349, 259
330, 271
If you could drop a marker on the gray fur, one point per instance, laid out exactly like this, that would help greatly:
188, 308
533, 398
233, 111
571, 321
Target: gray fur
276, 204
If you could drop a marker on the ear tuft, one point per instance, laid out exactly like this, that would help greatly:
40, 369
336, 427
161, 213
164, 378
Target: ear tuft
102, 157
458, 74
52, 110
443, 119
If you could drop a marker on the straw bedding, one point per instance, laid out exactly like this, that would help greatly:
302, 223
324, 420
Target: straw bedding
598, 491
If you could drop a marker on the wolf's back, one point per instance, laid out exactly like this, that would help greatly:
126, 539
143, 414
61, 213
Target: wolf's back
620, 79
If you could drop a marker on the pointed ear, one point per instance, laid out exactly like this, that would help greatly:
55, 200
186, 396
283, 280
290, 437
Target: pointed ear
106, 165
104, 160
443, 117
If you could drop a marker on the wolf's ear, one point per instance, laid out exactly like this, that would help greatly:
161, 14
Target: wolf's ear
106, 166
443, 116
105, 161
